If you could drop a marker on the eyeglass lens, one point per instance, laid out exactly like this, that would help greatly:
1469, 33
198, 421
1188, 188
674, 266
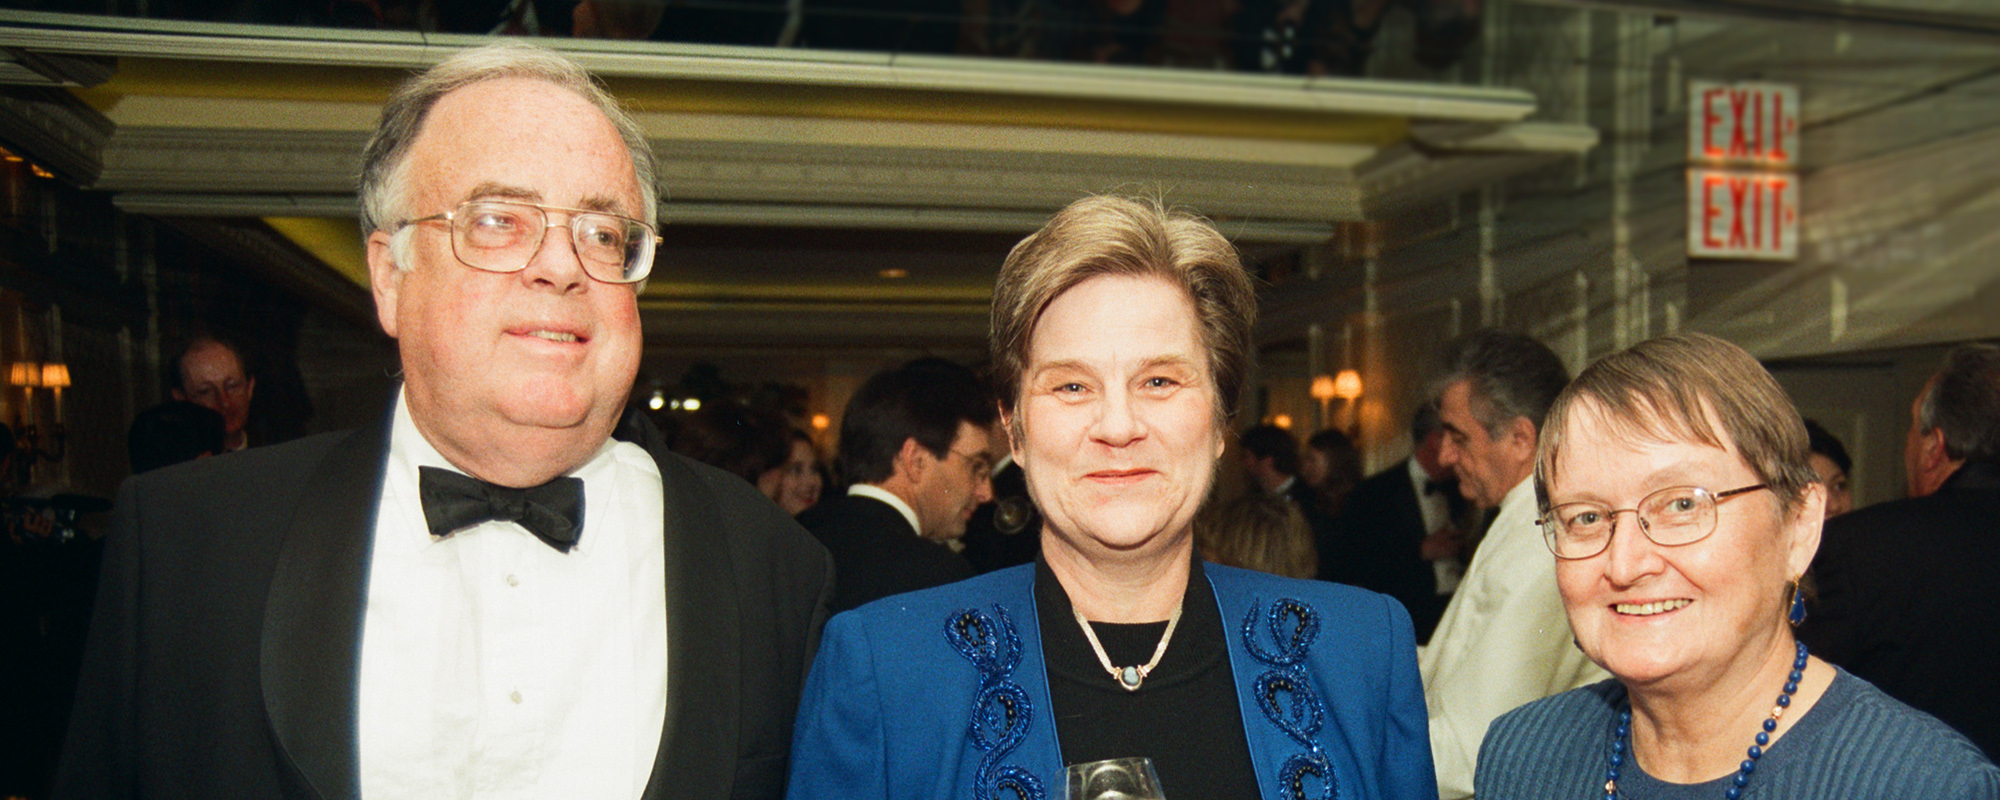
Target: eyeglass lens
503, 237
1679, 515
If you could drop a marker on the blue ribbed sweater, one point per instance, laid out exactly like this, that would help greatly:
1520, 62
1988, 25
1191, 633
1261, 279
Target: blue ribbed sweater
1856, 743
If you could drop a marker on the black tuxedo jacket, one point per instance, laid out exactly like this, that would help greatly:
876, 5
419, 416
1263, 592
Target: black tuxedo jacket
225, 650
875, 551
1379, 546
1907, 602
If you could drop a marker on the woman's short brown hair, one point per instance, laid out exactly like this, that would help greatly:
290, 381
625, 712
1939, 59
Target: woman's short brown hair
1689, 386
1110, 235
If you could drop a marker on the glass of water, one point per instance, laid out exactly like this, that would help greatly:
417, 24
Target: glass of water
1114, 779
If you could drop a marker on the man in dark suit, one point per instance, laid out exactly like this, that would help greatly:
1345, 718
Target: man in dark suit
1401, 531
424, 607
916, 445
1271, 459
1905, 588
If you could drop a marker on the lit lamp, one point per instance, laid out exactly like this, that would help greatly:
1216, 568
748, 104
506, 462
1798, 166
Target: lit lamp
1347, 386
1322, 390
55, 375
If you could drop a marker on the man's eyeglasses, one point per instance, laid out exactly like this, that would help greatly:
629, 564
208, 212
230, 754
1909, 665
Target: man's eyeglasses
1669, 517
503, 235
982, 465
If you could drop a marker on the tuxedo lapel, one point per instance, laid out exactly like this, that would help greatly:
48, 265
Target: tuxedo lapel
698, 744
311, 651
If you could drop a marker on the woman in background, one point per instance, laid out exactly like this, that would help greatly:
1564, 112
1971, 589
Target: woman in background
1260, 531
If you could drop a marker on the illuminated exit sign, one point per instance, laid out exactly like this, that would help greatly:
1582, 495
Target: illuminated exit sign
1743, 150
1743, 214
1743, 123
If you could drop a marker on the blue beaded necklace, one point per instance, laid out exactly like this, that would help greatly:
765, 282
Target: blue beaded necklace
1756, 751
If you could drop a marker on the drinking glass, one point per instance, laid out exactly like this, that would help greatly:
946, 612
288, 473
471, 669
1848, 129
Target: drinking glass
1114, 779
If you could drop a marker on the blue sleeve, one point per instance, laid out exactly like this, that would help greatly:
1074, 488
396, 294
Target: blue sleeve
838, 747
1406, 747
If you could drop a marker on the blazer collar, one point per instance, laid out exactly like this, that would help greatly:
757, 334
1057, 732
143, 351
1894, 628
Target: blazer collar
311, 650
698, 743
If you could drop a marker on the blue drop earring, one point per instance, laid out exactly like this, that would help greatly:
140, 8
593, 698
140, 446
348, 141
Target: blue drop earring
1798, 614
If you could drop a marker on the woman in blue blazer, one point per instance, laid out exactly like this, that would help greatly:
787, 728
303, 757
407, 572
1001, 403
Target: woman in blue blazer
1121, 338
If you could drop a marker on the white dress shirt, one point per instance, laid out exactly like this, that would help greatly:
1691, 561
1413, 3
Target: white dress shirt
1436, 510
1504, 640
494, 666
884, 495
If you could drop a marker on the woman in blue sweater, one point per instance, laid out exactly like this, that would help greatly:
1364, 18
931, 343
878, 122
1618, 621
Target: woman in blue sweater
1679, 502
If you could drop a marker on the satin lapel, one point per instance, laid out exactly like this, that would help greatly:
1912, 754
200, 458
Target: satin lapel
698, 744
311, 658
1041, 751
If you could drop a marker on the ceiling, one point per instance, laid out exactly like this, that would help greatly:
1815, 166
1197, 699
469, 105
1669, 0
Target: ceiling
812, 200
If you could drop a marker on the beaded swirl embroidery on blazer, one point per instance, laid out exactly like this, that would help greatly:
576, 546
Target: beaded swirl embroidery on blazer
1286, 695
1001, 711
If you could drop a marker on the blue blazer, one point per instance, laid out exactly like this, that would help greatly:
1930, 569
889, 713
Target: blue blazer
943, 694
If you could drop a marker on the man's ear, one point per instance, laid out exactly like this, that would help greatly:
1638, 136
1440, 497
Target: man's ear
178, 395
1521, 433
1931, 452
384, 279
249, 387
913, 462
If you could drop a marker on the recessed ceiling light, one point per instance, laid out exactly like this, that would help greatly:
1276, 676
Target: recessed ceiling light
893, 273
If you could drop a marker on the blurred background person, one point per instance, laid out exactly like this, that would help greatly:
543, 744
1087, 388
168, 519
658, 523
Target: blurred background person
1404, 532
1501, 641
173, 432
1121, 339
916, 446
1906, 597
212, 373
1270, 457
1331, 467
1687, 602
795, 483
737, 440
1831, 463
1260, 532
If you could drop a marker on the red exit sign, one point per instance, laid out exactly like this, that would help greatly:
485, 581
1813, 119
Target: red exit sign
1749, 215
1743, 123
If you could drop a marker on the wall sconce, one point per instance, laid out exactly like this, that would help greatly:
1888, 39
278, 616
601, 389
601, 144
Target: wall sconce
30, 375
1345, 386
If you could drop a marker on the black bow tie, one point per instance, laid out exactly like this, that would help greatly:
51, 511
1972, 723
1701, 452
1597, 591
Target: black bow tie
1433, 487
553, 511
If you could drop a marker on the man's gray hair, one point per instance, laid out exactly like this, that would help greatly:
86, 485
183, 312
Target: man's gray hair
1964, 400
383, 161
1510, 375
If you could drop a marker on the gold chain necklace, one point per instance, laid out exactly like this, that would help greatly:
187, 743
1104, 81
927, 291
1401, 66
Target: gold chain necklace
1129, 677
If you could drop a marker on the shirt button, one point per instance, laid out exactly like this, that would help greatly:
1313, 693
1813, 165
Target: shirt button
516, 696
513, 580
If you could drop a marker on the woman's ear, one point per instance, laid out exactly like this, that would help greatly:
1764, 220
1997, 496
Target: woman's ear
1803, 529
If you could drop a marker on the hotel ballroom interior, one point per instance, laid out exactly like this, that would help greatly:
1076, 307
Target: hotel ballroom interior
1817, 181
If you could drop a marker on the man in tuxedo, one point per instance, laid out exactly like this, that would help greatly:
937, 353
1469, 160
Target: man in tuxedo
916, 445
1905, 587
1403, 530
486, 591
1271, 459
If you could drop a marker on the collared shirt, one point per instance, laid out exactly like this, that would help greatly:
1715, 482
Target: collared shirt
1436, 509
494, 666
1503, 641
884, 495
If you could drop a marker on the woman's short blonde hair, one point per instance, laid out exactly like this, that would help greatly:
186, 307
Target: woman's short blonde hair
1111, 235
1696, 387
1261, 532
